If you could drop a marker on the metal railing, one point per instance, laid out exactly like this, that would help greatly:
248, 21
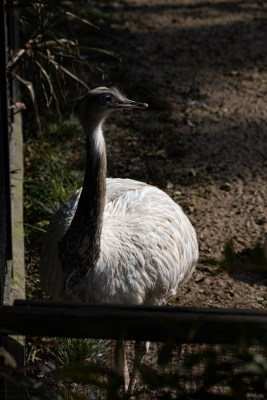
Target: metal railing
154, 323
5, 197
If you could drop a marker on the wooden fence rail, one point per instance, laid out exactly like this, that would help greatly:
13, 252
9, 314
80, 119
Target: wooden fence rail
188, 325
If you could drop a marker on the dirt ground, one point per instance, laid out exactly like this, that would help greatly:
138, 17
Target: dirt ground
202, 67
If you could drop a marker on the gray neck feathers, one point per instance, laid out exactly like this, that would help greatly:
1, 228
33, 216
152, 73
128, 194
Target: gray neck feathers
79, 249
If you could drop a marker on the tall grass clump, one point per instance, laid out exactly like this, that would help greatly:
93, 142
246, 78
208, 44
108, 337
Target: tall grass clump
48, 63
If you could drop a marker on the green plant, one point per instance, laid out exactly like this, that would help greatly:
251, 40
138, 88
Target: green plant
250, 259
187, 372
47, 359
68, 351
182, 371
228, 255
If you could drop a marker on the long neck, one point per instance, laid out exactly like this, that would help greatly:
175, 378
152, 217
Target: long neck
84, 233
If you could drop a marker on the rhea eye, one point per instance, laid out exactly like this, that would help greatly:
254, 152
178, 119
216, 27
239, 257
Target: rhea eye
108, 99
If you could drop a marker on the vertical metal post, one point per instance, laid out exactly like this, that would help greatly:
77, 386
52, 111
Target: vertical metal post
5, 192
4, 138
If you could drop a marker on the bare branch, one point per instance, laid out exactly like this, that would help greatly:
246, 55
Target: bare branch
85, 21
108, 52
15, 59
50, 84
29, 86
60, 68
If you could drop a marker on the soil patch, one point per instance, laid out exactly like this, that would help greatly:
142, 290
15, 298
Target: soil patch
204, 138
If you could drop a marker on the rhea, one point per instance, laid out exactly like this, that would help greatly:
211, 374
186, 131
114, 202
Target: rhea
115, 241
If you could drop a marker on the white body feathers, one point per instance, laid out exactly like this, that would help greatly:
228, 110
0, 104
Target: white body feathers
148, 247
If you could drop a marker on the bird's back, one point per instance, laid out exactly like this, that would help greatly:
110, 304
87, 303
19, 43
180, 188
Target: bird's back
148, 247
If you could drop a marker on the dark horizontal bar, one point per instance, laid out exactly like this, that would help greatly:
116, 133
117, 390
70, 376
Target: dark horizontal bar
188, 325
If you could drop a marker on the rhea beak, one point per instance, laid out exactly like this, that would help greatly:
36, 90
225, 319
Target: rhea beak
131, 104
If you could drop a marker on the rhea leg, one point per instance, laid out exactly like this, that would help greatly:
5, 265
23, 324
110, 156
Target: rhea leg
120, 363
141, 349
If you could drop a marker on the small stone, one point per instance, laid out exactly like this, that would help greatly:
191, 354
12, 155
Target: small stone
226, 186
169, 185
199, 277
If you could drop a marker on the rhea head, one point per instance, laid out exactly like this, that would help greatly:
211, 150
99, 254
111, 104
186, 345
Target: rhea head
97, 104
